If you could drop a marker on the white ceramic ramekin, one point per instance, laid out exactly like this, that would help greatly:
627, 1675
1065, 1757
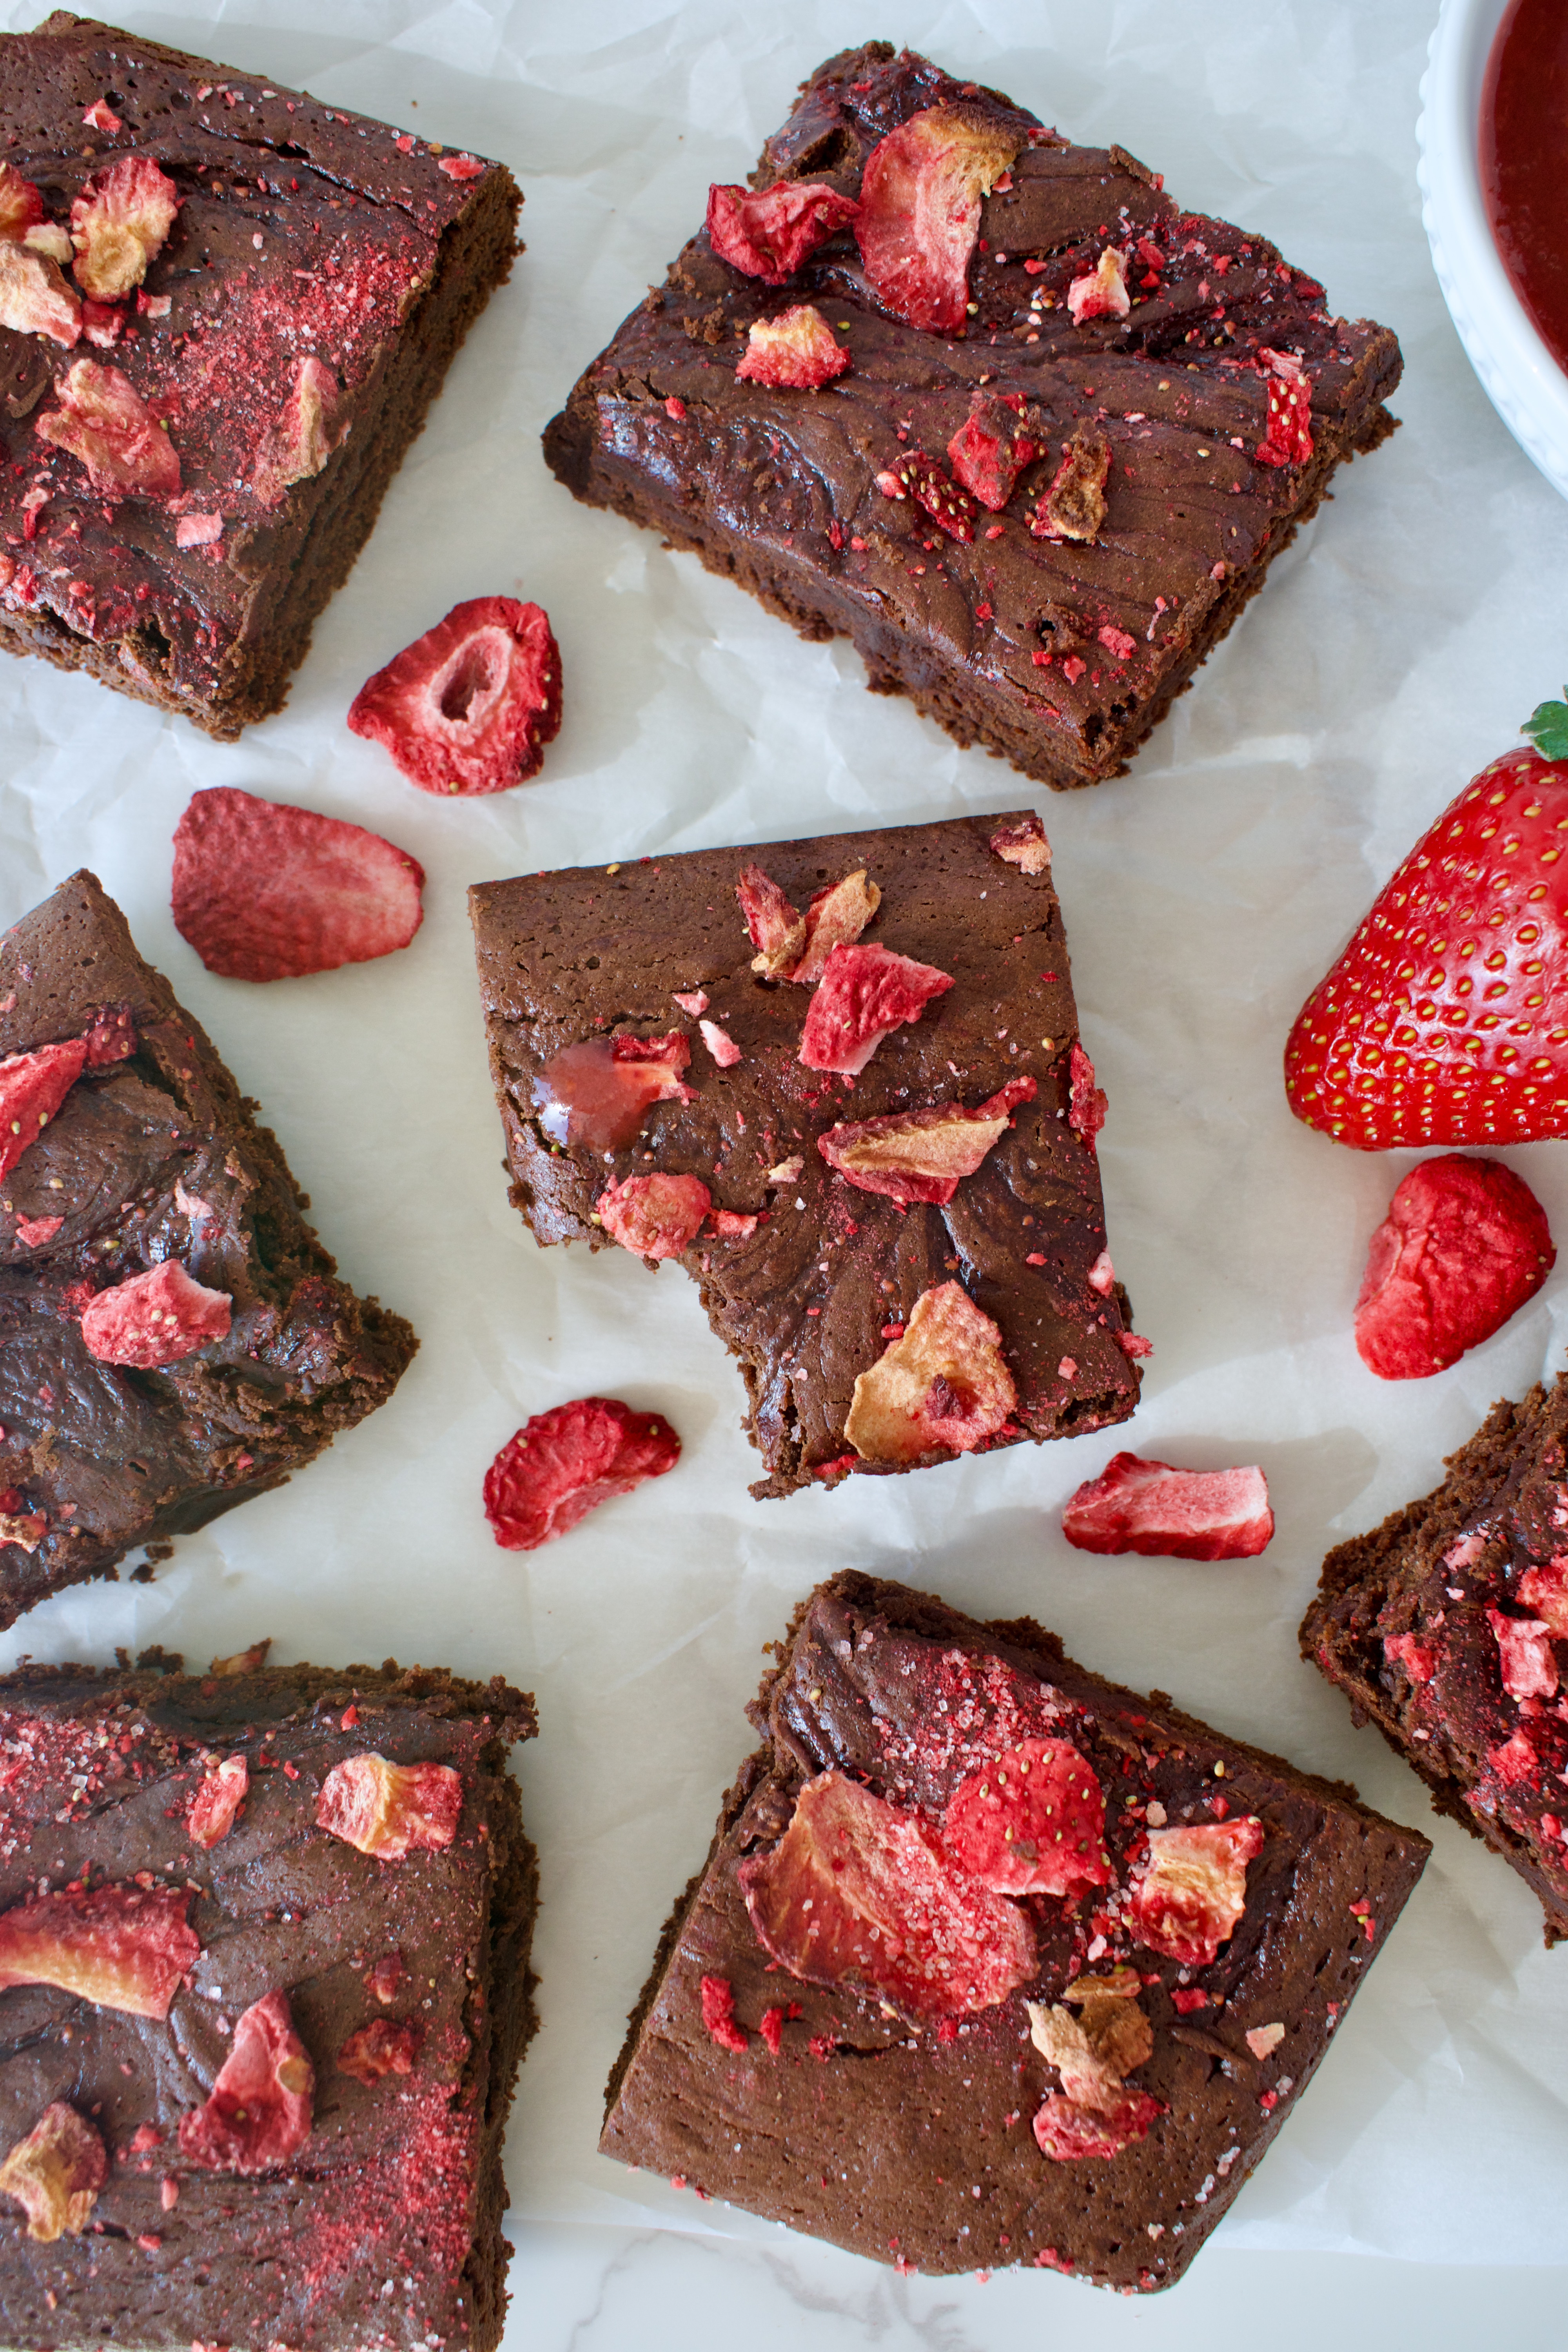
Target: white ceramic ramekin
1520, 378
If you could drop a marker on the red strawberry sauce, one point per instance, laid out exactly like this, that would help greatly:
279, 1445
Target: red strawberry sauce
1524, 160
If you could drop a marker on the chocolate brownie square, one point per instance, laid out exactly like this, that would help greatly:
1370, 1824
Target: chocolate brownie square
907, 1257
261, 298
1095, 1950
174, 1336
1442, 1627
1032, 462
264, 1942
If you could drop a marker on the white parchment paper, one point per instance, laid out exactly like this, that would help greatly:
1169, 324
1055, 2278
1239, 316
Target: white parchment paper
1398, 645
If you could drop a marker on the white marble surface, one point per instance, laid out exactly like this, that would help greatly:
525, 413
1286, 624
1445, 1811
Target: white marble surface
1420, 2192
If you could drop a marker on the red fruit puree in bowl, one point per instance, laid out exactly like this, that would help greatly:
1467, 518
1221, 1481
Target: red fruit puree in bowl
1524, 160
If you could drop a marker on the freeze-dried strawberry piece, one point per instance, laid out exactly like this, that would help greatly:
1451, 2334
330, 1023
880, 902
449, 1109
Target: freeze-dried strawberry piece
796, 946
858, 1894
100, 116
111, 1038
469, 705
258, 2114
34, 1232
265, 891
103, 323
718, 2015
768, 233
1098, 2049
721, 1045
1514, 1760
944, 1383
771, 919
797, 350
1464, 1245
1087, 1109
55, 2174
1031, 1823
32, 1089
947, 502
1170, 1513
1192, 1891
119, 1947
656, 1216
119, 223
1525, 1656
53, 242
1288, 440
25, 1529
390, 1810
734, 1225
1102, 292
600, 1092
380, 2049
1418, 1659
988, 452
1066, 2131
384, 1978
922, 1155
1024, 845
690, 1000
34, 298
563, 1464
302, 435
1545, 1590
919, 211
217, 1800
864, 991
21, 206
103, 420
155, 1319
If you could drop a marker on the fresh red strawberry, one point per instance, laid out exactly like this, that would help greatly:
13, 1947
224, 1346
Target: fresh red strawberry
263, 891
1169, 1514
1464, 1245
1446, 1019
469, 705
563, 1464
797, 350
769, 234
920, 212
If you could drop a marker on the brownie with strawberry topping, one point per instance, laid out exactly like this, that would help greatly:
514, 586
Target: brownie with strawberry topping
173, 1336
265, 1986
1095, 1948
994, 405
841, 1079
225, 311
1447, 1628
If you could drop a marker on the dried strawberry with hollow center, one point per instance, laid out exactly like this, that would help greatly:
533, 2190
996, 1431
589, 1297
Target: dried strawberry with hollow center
35, 298
32, 1089
989, 452
119, 223
769, 233
390, 1810
1169, 1514
379, 2049
655, 1216
945, 1384
264, 891
919, 211
1031, 1823
563, 1464
156, 1318
947, 502
1464, 1245
600, 1092
55, 2174
217, 1800
469, 705
1190, 1894
922, 1155
103, 420
858, 1894
796, 351
121, 1947
864, 991
258, 2114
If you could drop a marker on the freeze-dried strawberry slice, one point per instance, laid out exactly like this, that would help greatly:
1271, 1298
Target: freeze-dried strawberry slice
217, 1800
768, 233
111, 1038
1066, 2131
1288, 440
657, 1216
55, 2174
944, 1383
1525, 1657
922, 1155
919, 211
32, 1089
1192, 1891
119, 1947
920, 477
264, 891
103, 420
771, 919
379, 2049
119, 223
988, 452
1464, 1245
301, 436
469, 705
1102, 293
35, 298
1031, 1823
563, 1464
864, 991
1170, 1513
797, 350
721, 1045
1075, 506
796, 946
1545, 1590
600, 1091
258, 2114
1086, 1108
1095, 2051
1418, 1659
860, 1895
390, 1810
1023, 845
155, 1319
21, 206
718, 2015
